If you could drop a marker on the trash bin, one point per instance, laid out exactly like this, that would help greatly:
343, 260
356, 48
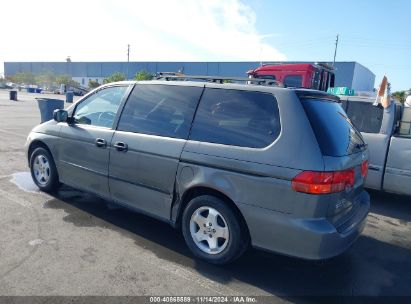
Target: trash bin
13, 95
47, 107
69, 96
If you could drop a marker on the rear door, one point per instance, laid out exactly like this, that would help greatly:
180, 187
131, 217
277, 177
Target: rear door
147, 145
375, 125
397, 177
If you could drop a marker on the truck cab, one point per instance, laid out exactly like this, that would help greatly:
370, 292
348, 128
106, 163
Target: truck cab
318, 76
388, 135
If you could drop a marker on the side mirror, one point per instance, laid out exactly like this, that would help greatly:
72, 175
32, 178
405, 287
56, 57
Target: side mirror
60, 115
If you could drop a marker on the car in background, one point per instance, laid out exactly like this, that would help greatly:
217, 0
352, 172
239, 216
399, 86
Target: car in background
77, 90
6, 85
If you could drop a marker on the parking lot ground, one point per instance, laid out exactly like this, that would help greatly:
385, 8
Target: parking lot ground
73, 243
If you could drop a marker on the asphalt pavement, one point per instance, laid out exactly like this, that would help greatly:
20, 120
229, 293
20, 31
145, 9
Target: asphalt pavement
74, 243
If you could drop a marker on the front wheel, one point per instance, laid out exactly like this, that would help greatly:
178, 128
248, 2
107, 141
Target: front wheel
43, 170
213, 231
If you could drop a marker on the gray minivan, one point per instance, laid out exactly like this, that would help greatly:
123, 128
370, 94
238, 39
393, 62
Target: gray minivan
229, 164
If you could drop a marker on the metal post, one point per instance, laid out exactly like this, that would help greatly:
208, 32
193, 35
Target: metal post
335, 50
261, 55
128, 58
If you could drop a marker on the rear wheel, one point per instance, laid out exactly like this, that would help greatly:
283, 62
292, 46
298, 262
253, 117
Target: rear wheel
212, 230
43, 170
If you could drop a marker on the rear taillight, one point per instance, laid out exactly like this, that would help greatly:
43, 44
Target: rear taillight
314, 182
364, 168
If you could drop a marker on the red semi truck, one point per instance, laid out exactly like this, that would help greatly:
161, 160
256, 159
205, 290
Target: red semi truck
318, 76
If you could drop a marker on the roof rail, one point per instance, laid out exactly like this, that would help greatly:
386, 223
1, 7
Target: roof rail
219, 79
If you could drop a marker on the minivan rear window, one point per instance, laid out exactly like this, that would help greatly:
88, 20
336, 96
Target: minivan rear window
334, 131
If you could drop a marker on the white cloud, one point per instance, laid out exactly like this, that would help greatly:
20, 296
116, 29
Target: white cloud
178, 30
209, 30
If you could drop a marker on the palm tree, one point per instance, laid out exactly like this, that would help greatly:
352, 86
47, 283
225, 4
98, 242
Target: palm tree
399, 95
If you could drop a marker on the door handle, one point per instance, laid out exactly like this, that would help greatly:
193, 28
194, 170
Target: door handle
101, 143
120, 146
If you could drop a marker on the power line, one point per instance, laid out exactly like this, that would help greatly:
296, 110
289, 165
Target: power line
351, 41
315, 41
348, 37
370, 45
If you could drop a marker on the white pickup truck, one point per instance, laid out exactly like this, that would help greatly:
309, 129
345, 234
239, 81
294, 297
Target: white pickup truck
388, 135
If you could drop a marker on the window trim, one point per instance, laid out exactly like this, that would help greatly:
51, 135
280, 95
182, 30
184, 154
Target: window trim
120, 107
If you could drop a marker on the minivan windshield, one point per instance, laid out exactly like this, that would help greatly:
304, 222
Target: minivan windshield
334, 131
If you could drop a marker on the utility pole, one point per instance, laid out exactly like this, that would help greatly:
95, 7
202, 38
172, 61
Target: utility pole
68, 60
261, 55
335, 50
128, 58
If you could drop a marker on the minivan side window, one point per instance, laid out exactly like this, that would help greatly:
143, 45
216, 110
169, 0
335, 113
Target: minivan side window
162, 110
100, 109
365, 116
238, 118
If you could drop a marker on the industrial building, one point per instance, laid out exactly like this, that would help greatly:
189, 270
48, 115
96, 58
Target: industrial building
348, 74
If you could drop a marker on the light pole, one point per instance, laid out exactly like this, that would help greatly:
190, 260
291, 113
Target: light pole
128, 58
68, 60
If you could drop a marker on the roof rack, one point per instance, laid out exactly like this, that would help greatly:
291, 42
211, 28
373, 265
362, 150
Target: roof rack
219, 79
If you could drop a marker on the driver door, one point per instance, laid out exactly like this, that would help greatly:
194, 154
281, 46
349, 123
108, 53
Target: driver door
83, 151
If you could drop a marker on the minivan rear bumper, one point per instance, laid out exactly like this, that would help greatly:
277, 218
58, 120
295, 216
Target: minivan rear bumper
314, 239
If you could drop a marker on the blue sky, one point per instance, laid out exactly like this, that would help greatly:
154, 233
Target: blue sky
374, 33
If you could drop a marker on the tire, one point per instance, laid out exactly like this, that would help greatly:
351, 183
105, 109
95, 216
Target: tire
43, 170
205, 241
